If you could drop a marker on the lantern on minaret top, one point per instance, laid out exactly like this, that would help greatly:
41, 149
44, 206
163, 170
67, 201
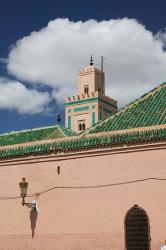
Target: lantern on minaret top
91, 60
90, 104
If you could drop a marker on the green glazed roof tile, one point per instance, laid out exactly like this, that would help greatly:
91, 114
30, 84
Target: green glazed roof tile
84, 143
148, 110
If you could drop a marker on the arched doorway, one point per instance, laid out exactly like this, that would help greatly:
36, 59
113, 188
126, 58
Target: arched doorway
137, 230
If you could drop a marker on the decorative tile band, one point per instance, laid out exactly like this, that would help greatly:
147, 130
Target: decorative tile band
81, 108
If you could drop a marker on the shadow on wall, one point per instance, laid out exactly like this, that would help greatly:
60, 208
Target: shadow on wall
33, 219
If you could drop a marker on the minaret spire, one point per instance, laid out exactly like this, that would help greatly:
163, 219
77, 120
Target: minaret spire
91, 60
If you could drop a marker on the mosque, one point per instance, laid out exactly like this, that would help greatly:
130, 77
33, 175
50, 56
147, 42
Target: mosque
99, 183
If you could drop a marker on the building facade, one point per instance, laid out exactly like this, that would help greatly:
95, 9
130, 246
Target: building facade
100, 189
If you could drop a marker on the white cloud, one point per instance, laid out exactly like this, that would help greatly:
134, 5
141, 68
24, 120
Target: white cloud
135, 60
14, 95
161, 35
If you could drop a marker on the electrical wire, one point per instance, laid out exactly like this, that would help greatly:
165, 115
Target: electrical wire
103, 185
86, 187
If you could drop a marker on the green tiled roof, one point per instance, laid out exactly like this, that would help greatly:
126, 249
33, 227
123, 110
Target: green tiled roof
148, 110
44, 133
85, 143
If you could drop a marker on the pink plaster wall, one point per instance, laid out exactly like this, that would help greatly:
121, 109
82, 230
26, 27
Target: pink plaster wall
79, 219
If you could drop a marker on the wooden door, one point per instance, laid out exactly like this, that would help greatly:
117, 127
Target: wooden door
137, 233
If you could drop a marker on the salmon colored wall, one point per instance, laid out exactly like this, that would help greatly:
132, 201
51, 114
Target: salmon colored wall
77, 219
92, 77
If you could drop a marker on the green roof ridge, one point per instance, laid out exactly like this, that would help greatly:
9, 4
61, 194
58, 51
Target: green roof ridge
29, 135
27, 130
64, 129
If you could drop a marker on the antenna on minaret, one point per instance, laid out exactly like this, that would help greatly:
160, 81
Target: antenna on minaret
91, 60
102, 60
102, 74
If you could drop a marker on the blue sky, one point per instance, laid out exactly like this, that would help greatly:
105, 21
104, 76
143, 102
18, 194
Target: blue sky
31, 96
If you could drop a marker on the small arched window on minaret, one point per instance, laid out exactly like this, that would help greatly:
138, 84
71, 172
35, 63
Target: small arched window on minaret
86, 89
80, 127
83, 126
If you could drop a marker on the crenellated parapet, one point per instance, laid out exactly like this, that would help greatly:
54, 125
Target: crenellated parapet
95, 94
81, 97
108, 99
89, 69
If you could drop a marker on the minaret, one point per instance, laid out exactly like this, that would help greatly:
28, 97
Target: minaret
90, 104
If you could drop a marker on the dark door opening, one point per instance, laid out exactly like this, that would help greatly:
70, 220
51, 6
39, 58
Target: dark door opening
137, 231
